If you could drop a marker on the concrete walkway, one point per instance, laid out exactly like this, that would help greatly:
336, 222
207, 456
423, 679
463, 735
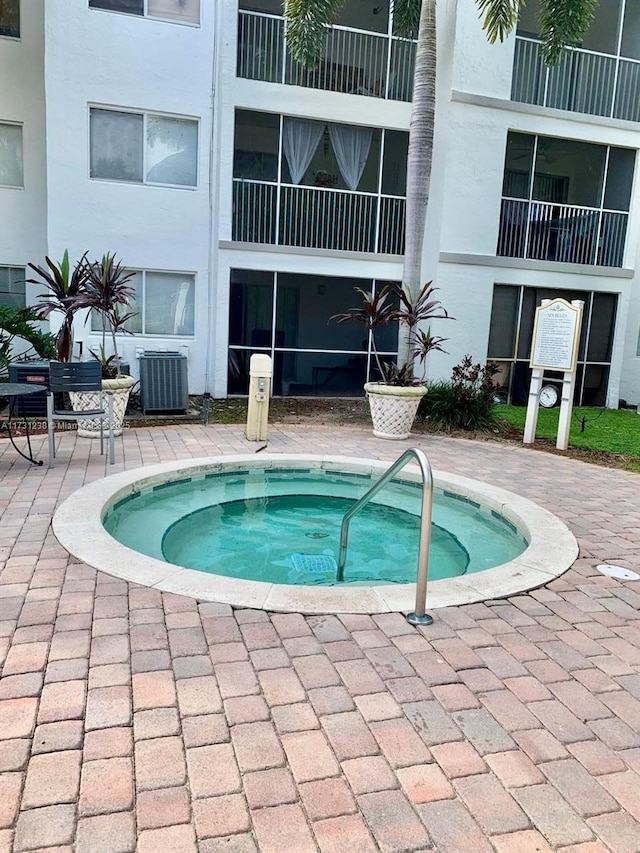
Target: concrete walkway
132, 720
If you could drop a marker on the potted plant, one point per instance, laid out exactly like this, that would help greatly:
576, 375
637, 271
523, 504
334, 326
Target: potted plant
107, 291
64, 289
395, 399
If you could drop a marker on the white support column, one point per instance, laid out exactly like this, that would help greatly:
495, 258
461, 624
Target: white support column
566, 408
532, 406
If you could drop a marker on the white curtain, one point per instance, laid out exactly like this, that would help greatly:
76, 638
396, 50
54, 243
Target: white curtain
351, 147
300, 139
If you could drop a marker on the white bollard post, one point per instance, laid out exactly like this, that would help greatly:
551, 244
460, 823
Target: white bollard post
260, 371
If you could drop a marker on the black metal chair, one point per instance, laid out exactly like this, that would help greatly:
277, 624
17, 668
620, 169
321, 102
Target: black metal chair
65, 377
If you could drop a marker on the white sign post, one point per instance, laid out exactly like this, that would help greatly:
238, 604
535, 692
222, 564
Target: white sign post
556, 337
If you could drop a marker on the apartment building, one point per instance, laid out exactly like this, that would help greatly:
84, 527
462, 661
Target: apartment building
251, 196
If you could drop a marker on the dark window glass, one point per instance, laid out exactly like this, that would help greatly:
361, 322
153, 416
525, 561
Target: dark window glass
603, 316
10, 18
273, 7
622, 163
321, 374
386, 337
255, 155
373, 17
631, 31
305, 318
602, 35
504, 311
517, 166
251, 308
526, 322
596, 380
528, 19
304, 305
238, 371
370, 178
394, 163
132, 7
569, 172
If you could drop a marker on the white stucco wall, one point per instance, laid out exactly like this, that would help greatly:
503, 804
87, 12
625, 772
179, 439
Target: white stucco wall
144, 65
23, 212
479, 67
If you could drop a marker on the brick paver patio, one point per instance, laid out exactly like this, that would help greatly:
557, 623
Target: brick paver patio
135, 720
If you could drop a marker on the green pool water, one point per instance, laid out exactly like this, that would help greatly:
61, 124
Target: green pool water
280, 525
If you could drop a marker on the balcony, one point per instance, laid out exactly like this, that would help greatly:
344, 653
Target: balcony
559, 232
583, 81
356, 62
317, 217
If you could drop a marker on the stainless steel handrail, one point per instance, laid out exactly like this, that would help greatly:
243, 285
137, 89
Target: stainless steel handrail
418, 617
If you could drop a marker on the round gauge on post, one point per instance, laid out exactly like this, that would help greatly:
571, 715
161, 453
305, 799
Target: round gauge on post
548, 396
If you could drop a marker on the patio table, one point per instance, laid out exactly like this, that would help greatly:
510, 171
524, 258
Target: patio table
16, 392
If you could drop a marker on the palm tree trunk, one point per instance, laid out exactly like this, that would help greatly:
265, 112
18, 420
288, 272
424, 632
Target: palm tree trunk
419, 160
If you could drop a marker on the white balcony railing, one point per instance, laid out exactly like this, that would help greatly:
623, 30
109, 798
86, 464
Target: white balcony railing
354, 61
317, 218
583, 81
560, 232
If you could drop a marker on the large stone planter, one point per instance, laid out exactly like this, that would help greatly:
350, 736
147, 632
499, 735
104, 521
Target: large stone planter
393, 408
121, 387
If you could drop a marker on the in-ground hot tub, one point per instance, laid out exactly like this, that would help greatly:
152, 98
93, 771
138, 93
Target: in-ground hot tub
261, 531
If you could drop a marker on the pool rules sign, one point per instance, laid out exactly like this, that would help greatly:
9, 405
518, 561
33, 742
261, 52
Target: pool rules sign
556, 337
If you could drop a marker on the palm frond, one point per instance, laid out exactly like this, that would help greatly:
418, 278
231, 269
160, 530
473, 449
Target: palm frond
563, 23
406, 17
424, 343
305, 28
420, 309
375, 310
499, 17
107, 284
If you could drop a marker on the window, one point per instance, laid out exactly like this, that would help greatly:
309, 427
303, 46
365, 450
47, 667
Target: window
11, 173
143, 148
328, 173
179, 11
317, 153
12, 287
164, 303
565, 200
285, 315
10, 18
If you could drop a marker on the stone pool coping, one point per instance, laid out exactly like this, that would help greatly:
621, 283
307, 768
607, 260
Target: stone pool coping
78, 527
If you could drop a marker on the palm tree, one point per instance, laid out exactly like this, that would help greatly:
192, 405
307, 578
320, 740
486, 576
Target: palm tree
562, 23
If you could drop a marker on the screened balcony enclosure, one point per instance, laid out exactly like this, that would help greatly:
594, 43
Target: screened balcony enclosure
565, 201
317, 185
601, 76
286, 316
362, 55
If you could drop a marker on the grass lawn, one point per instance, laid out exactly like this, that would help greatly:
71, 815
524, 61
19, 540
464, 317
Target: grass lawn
614, 431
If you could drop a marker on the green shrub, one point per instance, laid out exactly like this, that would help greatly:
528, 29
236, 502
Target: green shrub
466, 401
22, 323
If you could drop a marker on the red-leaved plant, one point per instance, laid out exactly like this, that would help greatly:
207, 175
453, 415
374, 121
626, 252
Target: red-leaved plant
391, 304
